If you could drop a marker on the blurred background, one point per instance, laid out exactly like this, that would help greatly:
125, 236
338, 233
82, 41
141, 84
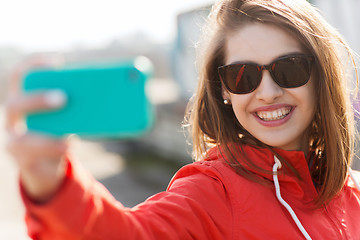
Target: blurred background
165, 31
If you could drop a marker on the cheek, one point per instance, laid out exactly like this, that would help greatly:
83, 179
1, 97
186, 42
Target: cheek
240, 105
305, 98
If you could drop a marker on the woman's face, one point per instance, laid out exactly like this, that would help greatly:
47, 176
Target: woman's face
274, 115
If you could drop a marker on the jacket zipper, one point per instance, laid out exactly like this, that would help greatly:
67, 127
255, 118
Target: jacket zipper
337, 226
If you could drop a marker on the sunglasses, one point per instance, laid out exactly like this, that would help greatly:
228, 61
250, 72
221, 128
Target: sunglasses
290, 71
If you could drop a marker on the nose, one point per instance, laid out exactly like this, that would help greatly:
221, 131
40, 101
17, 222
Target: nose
268, 90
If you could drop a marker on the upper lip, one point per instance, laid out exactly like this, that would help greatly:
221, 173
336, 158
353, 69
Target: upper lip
271, 107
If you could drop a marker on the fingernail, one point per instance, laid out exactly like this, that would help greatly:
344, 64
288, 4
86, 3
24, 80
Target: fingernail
55, 98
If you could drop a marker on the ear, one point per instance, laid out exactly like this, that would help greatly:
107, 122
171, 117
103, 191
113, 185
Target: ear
225, 94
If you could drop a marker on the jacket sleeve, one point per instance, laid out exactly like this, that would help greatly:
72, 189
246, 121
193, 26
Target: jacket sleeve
195, 206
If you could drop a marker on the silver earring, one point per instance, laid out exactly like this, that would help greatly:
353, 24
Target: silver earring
226, 102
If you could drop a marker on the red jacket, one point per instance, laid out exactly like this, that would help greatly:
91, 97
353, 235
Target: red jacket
205, 200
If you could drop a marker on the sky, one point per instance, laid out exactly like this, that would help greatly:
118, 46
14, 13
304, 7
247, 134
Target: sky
38, 25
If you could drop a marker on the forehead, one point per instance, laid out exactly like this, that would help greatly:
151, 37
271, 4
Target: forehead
260, 43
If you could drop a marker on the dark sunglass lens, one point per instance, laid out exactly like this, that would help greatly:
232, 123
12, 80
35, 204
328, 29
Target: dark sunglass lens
240, 78
292, 72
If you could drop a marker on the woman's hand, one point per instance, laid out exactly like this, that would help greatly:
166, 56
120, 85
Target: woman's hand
39, 158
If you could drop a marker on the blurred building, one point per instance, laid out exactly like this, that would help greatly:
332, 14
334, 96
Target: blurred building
189, 26
344, 16
168, 136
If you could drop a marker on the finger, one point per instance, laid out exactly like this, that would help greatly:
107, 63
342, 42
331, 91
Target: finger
21, 105
44, 170
30, 148
34, 61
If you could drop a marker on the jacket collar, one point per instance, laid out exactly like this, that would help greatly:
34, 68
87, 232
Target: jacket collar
264, 158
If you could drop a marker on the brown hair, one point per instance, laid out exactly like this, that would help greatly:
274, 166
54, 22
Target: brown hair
331, 132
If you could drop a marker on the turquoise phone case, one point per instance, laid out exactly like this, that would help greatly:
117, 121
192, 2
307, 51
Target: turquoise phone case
103, 100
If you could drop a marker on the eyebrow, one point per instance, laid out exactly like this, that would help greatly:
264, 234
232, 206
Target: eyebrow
278, 57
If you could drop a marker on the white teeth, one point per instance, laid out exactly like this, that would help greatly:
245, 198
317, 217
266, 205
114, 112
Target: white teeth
274, 115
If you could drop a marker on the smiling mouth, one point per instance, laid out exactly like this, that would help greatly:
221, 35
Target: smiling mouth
274, 115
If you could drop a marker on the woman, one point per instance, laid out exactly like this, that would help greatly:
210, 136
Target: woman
272, 133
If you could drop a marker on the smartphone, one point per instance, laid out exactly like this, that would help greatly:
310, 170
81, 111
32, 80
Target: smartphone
104, 100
